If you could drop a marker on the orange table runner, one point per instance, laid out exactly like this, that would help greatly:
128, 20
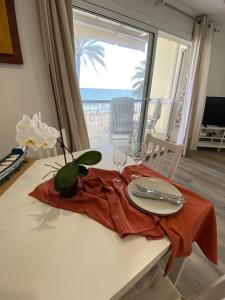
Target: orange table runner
102, 201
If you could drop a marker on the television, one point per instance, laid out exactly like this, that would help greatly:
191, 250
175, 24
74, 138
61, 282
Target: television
214, 113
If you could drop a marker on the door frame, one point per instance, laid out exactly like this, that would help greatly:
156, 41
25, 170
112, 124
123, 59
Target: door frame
113, 15
150, 59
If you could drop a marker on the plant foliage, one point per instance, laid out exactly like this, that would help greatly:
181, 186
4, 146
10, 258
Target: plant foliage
67, 176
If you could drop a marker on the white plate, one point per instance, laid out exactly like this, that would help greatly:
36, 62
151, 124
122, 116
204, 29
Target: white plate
158, 207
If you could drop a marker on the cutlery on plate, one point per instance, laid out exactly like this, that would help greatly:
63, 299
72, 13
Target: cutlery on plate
165, 195
157, 196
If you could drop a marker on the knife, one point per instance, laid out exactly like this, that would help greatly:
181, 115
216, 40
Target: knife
152, 195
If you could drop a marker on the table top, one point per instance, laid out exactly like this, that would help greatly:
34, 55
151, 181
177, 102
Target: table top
52, 254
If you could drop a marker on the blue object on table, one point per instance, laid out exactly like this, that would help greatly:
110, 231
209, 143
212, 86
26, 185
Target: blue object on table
11, 162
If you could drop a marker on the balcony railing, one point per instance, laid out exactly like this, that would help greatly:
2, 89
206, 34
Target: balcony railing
97, 115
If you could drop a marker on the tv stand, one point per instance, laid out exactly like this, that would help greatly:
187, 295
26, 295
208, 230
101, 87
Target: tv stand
212, 136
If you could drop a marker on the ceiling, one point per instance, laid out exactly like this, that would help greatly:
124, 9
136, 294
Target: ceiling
214, 8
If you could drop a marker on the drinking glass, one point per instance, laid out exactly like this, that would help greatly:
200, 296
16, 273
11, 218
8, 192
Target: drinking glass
138, 154
119, 159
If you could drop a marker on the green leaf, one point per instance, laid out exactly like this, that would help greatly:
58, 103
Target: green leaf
89, 158
66, 177
83, 171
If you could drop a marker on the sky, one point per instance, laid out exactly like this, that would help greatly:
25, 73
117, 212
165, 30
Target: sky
120, 67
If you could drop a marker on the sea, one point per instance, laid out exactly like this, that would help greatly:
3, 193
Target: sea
104, 94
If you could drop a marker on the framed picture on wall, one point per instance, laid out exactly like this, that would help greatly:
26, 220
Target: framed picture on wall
10, 51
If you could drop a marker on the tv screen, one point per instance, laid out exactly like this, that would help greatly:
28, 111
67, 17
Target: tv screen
214, 111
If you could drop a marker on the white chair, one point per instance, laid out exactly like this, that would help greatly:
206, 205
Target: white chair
160, 287
121, 117
216, 291
153, 286
151, 120
154, 117
159, 151
47, 152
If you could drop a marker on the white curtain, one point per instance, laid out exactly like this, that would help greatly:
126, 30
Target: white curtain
196, 90
56, 21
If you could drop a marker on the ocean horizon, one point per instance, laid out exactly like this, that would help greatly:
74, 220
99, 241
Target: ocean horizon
104, 94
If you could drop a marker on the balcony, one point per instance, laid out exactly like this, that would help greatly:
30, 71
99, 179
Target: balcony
97, 113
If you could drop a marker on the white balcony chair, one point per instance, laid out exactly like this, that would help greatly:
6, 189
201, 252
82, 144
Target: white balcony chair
53, 151
154, 117
159, 151
121, 117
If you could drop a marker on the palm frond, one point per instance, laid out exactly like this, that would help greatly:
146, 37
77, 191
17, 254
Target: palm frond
137, 84
90, 51
138, 79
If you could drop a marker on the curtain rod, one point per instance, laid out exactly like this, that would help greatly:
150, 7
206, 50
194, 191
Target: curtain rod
210, 24
168, 5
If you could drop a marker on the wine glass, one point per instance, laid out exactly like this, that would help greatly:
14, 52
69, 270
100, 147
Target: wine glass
138, 154
119, 159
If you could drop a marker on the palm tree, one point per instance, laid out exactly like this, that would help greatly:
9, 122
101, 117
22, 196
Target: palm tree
88, 50
138, 79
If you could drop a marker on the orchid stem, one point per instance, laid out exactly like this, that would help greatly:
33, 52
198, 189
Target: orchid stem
62, 145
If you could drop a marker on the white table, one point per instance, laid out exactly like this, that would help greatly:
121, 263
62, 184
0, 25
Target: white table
51, 254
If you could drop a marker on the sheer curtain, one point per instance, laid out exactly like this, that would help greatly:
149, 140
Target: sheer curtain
196, 90
56, 22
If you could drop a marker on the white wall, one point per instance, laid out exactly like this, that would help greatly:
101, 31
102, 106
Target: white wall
216, 81
26, 88
146, 11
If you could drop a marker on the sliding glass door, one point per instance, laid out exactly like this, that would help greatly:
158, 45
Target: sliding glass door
113, 62
168, 86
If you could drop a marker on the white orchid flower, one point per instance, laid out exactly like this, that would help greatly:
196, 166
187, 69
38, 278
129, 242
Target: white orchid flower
29, 136
35, 134
37, 119
25, 123
49, 135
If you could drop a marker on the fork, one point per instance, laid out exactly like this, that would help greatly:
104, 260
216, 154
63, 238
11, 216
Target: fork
159, 194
